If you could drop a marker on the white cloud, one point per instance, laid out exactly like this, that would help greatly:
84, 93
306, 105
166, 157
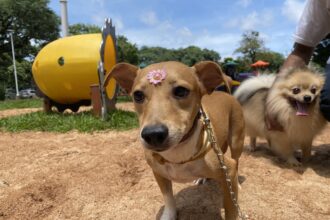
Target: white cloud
184, 32
149, 18
292, 9
119, 24
224, 44
164, 35
99, 2
99, 20
252, 21
244, 3
170, 36
232, 23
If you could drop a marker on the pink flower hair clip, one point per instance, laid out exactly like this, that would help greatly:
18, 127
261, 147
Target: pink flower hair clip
156, 76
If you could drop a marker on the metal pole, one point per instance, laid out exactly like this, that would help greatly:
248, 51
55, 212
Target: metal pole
102, 91
14, 63
64, 17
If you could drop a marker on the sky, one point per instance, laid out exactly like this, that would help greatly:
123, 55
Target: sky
213, 24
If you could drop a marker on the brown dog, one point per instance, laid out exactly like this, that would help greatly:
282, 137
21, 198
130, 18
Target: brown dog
168, 97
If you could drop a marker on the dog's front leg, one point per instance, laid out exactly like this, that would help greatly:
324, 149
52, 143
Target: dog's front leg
231, 212
306, 151
283, 148
165, 186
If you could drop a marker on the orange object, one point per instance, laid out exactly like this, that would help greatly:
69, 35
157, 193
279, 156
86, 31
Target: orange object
260, 63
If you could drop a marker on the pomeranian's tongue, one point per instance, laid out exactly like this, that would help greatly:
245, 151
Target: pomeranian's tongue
301, 109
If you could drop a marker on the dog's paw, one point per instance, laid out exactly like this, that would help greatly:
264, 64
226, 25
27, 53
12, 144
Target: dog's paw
251, 148
200, 181
168, 214
292, 161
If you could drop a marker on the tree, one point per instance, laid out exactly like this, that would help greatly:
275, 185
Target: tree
30, 21
243, 64
126, 51
211, 55
80, 28
24, 76
274, 59
193, 54
33, 25
148, 55
250, 45
228, 59
189, 55
322, 52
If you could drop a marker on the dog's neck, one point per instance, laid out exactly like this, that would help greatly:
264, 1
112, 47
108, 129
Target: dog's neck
192, 129
189, 149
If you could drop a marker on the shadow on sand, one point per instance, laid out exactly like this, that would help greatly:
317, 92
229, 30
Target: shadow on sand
198, 202
318, 162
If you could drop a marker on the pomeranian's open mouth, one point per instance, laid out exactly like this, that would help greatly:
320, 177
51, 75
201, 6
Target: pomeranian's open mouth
300, 107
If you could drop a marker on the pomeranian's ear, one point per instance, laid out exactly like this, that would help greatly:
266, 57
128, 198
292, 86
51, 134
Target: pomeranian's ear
124, 74
210, 75
321, 78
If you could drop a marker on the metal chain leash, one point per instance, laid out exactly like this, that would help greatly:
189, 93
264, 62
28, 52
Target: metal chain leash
217, 150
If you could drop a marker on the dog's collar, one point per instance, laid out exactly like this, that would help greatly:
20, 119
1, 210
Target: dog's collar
204, 149
272, 123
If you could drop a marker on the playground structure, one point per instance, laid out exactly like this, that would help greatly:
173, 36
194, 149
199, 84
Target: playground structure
70, 70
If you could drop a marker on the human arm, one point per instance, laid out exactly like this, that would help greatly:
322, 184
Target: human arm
299, 57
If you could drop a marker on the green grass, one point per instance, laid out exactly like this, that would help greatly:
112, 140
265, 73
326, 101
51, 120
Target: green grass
38, 103
20, 103
124, 98
57, 122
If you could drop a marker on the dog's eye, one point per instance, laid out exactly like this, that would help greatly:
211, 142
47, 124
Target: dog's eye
180, 92
295, 90
138, 96
313, 90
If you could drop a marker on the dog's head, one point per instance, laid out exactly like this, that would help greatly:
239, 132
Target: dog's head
301, 88
167, 97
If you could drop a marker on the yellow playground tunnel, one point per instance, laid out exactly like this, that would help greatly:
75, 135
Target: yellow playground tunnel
65, 69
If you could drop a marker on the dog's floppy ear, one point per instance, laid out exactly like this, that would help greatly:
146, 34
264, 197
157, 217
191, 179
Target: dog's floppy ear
211, 75
124, 74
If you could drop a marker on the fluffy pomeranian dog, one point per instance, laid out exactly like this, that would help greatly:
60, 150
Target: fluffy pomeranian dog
293, 117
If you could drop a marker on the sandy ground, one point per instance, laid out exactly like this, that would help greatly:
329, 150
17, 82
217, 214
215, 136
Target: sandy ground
104, 176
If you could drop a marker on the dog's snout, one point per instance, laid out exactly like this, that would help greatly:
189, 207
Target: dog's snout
155, 135
307, 98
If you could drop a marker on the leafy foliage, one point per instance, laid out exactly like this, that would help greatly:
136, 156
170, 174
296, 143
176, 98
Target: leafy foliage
80, 28
274, 59
243, 64
33, 25
24, 76
126, 51
250, 45
189, 55
252, 48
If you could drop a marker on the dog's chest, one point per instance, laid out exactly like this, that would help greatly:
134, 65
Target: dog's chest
303, 129
180, 172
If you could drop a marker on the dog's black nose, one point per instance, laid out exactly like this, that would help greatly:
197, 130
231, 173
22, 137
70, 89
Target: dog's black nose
155, 135
307, 98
